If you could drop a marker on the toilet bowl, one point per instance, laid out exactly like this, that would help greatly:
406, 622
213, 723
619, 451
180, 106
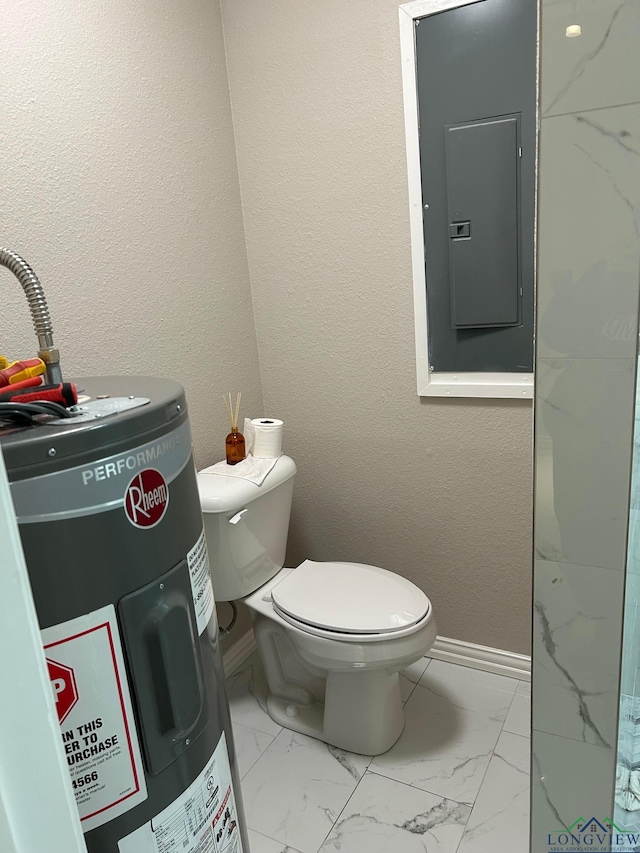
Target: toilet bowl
332, 636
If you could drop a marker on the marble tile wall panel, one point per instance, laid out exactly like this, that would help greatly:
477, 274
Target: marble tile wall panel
598, 69
588, 234
577, 640
569, 780
584, 422
587, 316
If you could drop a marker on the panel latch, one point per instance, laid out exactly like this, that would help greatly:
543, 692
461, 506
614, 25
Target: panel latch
460, 230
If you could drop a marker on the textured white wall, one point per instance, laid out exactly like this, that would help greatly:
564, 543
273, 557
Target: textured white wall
119, 186
439, 491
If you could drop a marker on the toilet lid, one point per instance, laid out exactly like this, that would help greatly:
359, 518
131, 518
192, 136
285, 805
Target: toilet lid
350, 598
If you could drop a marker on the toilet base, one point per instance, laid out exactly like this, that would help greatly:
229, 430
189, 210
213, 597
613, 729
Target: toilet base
346, 720
343, 691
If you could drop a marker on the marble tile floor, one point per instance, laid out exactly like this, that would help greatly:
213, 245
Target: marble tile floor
457, 780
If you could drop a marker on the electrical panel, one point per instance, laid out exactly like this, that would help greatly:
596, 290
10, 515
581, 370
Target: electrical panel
476, 77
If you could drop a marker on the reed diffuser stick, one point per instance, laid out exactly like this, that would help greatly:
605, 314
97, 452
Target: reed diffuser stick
235, 420
227, 404
233, 413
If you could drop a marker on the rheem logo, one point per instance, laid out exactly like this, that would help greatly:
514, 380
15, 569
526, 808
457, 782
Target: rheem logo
146, 498
65, 689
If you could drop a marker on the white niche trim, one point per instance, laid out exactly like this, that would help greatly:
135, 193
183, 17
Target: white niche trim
431, 383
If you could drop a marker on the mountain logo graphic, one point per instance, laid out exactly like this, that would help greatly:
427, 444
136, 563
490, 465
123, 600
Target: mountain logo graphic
581, 826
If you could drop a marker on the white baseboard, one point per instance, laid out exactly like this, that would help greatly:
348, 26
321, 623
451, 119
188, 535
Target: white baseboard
237, 654
482, 657
452, 651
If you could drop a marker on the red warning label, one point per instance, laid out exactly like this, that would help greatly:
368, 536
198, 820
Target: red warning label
97, 727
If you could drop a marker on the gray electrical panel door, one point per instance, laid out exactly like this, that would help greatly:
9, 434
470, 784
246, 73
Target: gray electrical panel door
482, 195
476, 74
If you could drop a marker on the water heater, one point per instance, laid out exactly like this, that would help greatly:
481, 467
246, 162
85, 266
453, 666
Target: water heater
109, 516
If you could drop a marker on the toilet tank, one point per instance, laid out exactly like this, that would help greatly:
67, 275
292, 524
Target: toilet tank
246, 528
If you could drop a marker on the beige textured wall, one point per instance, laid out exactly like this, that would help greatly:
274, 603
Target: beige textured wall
439, 491
119, 185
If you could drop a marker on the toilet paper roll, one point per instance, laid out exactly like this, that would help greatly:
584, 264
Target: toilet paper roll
267, 438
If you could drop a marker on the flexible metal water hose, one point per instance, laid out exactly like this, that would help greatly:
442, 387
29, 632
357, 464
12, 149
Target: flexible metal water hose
39, 311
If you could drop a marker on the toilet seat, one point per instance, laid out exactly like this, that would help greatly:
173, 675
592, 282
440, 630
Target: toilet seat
354, 602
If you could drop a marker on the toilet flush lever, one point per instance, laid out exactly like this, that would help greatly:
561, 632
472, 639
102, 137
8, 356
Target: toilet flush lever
236, 518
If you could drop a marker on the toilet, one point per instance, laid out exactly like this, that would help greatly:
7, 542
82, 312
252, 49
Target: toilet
332, 636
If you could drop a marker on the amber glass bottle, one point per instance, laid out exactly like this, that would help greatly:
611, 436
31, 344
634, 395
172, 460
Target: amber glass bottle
234, 445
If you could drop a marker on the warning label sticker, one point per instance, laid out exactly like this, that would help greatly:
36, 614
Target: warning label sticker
203, 819
86, 668
201, 588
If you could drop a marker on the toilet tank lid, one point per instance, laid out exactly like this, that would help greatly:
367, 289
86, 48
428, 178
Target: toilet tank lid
220, 493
